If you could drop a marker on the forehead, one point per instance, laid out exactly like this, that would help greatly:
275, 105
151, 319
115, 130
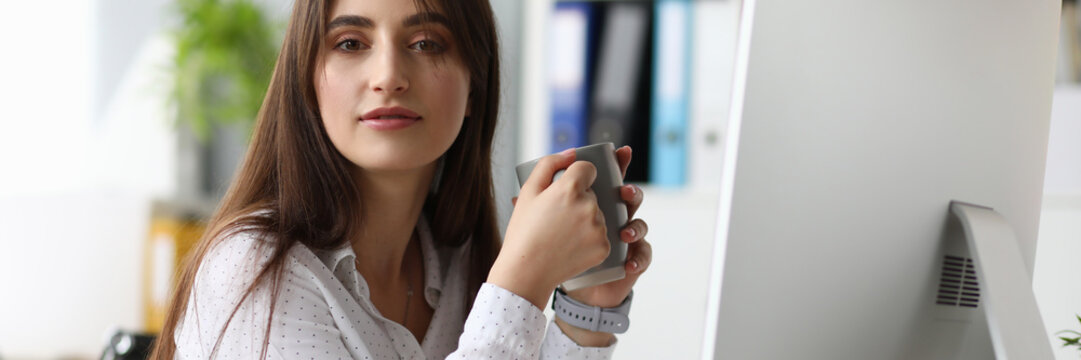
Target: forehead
385, 10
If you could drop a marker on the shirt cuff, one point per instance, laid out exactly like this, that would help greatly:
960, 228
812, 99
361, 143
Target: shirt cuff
558, 345
504, 324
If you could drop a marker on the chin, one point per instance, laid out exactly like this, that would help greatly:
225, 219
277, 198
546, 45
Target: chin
384, 166
405, 160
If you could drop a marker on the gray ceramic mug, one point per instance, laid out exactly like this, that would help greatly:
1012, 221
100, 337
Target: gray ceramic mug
606, 187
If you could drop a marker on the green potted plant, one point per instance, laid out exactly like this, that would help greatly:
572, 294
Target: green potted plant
225, 53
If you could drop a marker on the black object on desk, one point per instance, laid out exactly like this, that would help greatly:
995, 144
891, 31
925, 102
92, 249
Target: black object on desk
127, 345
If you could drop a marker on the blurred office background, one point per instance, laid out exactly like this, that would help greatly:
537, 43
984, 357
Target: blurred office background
100, 185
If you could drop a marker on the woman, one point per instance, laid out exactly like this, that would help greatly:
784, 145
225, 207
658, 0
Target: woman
362, 223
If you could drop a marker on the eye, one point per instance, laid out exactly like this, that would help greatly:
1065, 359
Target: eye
427, 46
348, 45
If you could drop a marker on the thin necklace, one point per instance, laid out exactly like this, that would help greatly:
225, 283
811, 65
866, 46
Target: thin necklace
408, 296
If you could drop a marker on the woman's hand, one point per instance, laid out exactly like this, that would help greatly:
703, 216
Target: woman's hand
639, 255
556, 230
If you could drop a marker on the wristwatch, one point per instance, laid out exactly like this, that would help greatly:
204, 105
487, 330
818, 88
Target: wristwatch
592, 318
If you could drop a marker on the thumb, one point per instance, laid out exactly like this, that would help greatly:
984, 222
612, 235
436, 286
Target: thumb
541, 176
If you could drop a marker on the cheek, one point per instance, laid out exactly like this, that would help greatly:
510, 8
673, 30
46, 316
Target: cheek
453, 93
455, 99
333, 113
329, 93
330, 96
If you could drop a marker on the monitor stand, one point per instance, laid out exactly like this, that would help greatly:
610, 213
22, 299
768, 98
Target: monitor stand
1013, 318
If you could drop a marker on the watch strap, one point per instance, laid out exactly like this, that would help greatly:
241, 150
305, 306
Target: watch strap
593, 318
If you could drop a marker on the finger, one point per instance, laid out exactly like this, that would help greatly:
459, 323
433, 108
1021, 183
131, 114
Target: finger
541, 176
581, 175
639, 256
514, 201
634, 231
632, 195
623, 157
598, 215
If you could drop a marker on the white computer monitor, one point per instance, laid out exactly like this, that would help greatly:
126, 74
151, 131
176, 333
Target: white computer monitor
854, 126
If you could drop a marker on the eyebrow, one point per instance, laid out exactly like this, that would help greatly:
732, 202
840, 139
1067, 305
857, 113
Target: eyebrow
412, 20
426, 18
350, 20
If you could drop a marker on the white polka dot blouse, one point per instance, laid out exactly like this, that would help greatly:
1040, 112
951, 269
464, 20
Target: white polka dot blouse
324, 311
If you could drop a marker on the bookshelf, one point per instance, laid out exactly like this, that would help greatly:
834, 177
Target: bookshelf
532, 112
670, 299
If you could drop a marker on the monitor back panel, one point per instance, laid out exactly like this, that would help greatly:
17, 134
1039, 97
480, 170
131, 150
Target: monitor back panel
857, 122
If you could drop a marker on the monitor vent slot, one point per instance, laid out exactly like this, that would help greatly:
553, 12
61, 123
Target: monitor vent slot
958, 285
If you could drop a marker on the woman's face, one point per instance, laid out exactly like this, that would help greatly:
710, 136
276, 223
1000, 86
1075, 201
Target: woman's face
391, 87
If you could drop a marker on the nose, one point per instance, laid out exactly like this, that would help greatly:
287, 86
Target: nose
388, 74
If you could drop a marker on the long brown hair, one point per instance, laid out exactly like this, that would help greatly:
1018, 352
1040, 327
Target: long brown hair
296, 187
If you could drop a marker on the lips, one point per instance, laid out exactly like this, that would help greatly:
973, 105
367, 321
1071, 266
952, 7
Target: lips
389, 118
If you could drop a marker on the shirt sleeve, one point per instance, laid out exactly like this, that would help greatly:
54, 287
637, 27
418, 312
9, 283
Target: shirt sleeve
503, 325
303, 327
558, 345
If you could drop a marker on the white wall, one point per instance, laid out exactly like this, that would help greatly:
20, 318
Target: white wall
48, 234
1057, 281
44, 95
86, 143
1057, 276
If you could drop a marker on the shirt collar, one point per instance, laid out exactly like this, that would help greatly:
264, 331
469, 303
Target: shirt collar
436, 260
435, 263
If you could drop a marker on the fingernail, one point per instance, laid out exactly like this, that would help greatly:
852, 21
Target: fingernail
634, 189
634, 266
567, 152
631, 232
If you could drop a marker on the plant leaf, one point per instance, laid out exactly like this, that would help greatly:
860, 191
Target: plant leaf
1070, 341
225, 55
